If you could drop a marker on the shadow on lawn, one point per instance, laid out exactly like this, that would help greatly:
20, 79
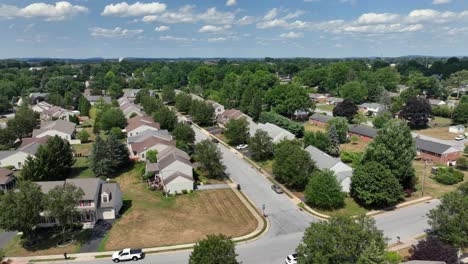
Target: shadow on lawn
47, 238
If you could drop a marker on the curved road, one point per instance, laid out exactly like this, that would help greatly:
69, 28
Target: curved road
287, 223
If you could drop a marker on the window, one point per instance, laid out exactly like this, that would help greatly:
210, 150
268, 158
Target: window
105, 198
19, 164
142, 155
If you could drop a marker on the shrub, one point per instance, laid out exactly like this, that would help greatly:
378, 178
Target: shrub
393, 257
462, 163
448, 176
279, 120
323, 191
351, 157
443, 111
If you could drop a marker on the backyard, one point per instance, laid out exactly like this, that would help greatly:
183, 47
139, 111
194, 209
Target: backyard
325, 107
439, 128
152, 220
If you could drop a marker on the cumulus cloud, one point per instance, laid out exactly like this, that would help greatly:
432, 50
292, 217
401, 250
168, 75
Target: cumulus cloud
383, 28
162, 28
213, 29
220, 39
441, 2
187, 14
246, 20
231, 2
50, 12
123, 9
117, 32
374, 18
282, 24
271, 14
296, 14
292, 35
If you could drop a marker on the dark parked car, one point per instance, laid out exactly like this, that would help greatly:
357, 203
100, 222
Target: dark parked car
277, 188
215, 140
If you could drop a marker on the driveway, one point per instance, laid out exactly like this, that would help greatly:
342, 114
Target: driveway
6, 237
213, 186
99, 232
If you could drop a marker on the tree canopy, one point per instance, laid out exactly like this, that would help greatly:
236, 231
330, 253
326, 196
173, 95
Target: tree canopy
214, 249
261, 146
323, 191
417, 112
210, 158
237, 131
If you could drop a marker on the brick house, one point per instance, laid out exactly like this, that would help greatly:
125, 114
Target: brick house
364, 133
437, 152
319, 119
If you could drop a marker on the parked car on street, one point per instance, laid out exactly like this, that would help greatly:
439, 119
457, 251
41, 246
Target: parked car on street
291, 259
459, 137
214, 140
127, 254
242, 146
277, 189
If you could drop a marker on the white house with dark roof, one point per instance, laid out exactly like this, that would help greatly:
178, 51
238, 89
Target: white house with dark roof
275, 132
17, 158
323, 161
101, 200
61, 128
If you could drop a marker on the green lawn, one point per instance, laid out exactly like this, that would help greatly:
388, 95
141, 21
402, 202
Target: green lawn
83, 149
325, 107
351, 208
81, 168
442, 121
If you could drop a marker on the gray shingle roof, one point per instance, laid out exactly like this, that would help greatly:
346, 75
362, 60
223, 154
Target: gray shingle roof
111, 189
95, 98
363, 130
59, 125
164, 134
322, 160
431, 146
89, 186
320, 118
46, 186
174, 176
171, 157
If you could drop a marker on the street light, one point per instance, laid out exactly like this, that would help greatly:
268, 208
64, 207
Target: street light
426, 162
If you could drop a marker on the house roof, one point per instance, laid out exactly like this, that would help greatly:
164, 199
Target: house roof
89, 186
58, 125
46, 186
175, 175
435, 101
363, 130
163, 134
230, 114
320, 118
173, 151
150, 142
171, 157
275, 132
110, 189
322, 160
151, 167
96, 98
138, 121
6, 176
131, 92
317, 95
434, 147
30, 140
371, 105
335, 99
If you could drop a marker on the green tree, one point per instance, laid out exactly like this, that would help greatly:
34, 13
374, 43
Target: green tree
341, 126
354, 91
237, 131
110, 118
323, 191
108, 155
84, 106
83, 136
214, 249
261, 146
285, 99
117, 152
152, 156
183, 102
21, 209
394, 148
168, 94
5, 105
317, 139
60, 203
417, 112
53, 161
342, 239
381, 119
448, 220
166, 118
292, 164
117, 132
387, 77
433, 249
373, 185
334, 146
210, 158
7, 138
460, 114
202, 113
372, 254
184, 132
24, 122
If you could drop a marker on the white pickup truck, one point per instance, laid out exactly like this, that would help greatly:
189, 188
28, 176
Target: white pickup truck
127, 254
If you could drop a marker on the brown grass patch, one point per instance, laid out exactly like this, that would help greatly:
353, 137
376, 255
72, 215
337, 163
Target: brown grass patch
437, 132
359, 146
154, 220
314, 128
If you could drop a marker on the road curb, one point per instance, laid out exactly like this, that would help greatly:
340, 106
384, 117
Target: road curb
399, 206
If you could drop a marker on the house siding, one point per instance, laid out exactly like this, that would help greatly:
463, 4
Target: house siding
13, 160
437, 158
178, 185
139, 130
361, 137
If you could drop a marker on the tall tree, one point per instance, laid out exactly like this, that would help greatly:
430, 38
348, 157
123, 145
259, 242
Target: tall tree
53, 161
24, 122
417, 112
341, 126
323, 191
261, 146
292, 164
84, 106
285, 99
7, 138
387, 77
237, 131
334, 145
183, 132
210, 158
108, 155
202, 113
341, 240
460, 113
166, 118
183, 102
60, 203
354, 91
373, 185
168, 94
110, 118
347, 109
214, 249
21, 209
394, 148
117, 152
317, 139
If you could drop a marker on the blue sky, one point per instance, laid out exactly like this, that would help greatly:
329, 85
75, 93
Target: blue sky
232, 28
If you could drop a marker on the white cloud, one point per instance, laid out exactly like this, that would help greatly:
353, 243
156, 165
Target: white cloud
50, 12
213, 29
137, 9
311, 1
177, 39
246, 20
215, 17
220, 39
231, 2
150, 18
441, 2
374, 18
186, 14
162, 28
430, 15
117, 32
296, 14
271, 14
383, 28
292, 35
281, 23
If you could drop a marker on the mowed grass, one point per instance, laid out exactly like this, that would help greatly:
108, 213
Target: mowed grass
351, 208
325, 107
154, 220
81, 168
83, 149
359, 146
314, 128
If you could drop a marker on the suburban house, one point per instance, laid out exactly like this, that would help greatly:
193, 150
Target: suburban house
436, 102
138, 149
131, 94
371, 108
93, 99
458, 129
334, 100
301, 114
275, 132
364, 133
130, 109
57, 112
173, 171
61, 128
319, 119
148, 134
318, 98
38, 97
436, 152
139, 124
41, 107
101, 200
227, 115
323, 161
7, 180
17, 158
218, 108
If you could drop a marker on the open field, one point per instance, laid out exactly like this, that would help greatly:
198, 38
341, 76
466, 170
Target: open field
83, 149
152, 219
437, 132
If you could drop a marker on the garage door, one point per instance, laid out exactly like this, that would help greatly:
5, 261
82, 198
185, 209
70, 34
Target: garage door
108, 214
